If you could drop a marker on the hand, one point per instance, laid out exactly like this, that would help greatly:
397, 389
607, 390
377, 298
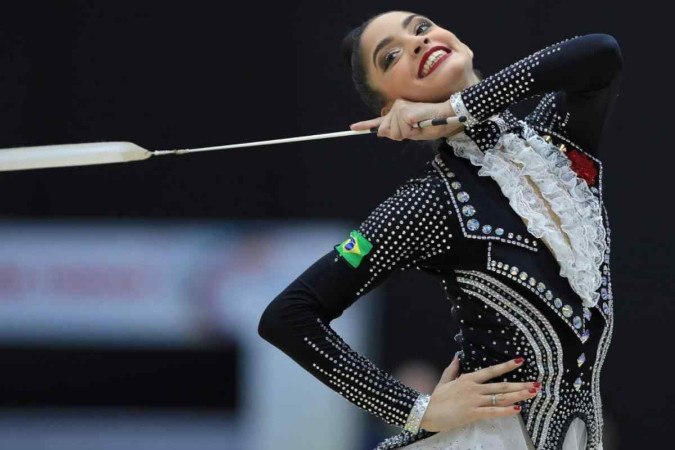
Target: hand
457, 401
401, 120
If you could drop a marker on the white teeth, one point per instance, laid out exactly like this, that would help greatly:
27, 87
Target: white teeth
431, 60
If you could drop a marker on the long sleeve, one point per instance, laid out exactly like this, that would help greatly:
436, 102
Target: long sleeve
578, 77
409, 227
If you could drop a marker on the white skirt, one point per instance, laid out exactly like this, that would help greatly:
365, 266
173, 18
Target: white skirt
502, 433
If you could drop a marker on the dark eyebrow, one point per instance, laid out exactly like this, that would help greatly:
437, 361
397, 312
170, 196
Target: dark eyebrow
386, 41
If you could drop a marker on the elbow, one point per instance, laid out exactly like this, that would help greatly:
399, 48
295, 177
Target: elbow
286, 314
290, 313
268, 324
608, 47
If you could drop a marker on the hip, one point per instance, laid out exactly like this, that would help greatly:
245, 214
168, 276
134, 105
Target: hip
502, 433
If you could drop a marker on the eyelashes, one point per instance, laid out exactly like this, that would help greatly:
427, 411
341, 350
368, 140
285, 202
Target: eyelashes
388, 58
421, 27
424, 23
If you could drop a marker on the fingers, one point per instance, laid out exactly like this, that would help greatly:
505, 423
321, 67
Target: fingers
436, 128
401, 123
385, 126
396, 132
504, 405
506, 399
451, 372
495, 388
366, 124
454, 121
414, 134
488, 373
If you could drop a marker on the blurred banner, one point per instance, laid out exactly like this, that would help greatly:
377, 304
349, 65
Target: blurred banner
152, 326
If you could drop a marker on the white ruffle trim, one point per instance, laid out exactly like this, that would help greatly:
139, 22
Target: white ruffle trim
569, 196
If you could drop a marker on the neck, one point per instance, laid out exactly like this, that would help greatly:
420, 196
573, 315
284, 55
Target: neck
472, 80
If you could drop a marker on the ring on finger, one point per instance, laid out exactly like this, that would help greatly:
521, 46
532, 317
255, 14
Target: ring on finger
495, 398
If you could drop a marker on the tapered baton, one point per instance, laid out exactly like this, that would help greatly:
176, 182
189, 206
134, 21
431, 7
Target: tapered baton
64, 155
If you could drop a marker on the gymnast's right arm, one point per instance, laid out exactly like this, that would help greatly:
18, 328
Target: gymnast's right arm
404, 230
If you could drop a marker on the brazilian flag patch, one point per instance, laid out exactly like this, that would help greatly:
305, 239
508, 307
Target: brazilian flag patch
354, 248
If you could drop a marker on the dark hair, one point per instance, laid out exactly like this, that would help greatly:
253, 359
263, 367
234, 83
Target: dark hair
351, 51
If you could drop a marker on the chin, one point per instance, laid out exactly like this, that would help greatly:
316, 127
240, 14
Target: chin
446, 79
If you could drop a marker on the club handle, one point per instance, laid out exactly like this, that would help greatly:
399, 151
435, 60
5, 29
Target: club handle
435, 122
428, 123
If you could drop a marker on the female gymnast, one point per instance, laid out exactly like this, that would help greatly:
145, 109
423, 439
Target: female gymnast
508, 215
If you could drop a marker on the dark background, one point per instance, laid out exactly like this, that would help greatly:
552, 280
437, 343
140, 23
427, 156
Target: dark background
189, 74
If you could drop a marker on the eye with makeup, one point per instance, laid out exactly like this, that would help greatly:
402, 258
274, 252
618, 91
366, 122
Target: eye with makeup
421, 27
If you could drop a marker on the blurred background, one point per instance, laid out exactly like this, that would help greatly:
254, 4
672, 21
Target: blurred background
130, 293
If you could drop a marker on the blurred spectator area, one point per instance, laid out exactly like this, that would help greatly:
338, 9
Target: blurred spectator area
137, 335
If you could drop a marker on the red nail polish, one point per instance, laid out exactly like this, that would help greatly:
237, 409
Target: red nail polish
519, 360
517, 407
532, 390
537, 384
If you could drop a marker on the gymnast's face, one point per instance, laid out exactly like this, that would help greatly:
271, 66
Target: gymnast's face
408, 56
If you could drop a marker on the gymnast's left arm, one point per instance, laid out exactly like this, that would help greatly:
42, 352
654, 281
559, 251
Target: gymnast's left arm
586, 68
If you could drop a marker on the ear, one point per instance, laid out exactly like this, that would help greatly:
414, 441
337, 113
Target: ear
385, 110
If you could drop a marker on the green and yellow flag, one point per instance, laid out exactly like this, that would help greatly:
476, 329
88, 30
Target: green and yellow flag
354, 248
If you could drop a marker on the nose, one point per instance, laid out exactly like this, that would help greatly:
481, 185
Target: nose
418, 48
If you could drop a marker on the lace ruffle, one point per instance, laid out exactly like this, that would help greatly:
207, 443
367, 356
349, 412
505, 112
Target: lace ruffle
508, 163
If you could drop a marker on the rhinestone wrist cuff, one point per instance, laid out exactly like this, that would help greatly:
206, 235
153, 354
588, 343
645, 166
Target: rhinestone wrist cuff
460, 109
415, 417
501, 123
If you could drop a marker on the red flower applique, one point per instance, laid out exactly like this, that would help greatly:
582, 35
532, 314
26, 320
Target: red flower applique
583, 166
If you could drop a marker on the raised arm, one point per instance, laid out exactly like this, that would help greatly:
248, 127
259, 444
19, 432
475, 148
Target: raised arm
393, 237
580, 76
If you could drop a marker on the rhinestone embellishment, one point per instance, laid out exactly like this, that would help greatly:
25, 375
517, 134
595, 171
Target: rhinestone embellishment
468, 210
576, 322
577, 384
585, 335
581, 359
587, 313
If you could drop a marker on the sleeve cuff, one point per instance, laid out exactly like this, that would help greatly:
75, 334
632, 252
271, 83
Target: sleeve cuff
460, 109
416, 413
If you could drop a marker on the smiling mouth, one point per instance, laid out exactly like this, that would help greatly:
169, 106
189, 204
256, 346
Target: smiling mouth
432, 59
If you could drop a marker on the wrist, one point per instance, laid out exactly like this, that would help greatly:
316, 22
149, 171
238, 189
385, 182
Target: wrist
459, 109
416, 415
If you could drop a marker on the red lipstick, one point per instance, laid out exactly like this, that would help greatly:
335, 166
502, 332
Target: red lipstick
428, 54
